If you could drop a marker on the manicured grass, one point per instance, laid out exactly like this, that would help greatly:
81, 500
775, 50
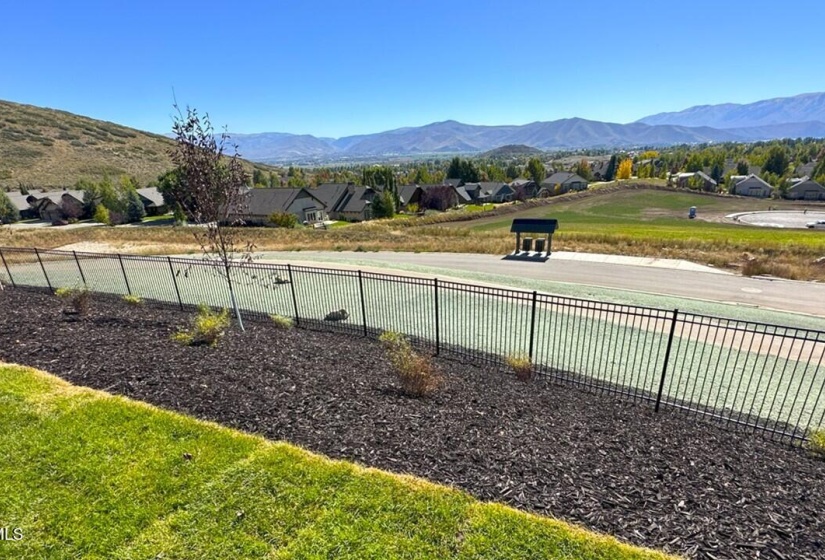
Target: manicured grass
95, 476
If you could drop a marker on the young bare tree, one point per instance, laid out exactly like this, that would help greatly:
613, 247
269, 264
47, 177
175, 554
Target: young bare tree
212, 191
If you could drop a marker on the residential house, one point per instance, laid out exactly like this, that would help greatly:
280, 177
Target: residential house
409, 194
496, 192
20, 201
262, 203
355, 205
805, 189
749, 185
45, 208
464, 196
527, 186
454, 182
153, 201
695, 180
331, 195
448, 196
52, 206
562, 182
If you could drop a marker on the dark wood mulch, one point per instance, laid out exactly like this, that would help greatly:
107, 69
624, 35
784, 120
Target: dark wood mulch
660, 480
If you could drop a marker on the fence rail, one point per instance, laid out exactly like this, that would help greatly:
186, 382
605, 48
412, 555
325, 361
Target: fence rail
766, 378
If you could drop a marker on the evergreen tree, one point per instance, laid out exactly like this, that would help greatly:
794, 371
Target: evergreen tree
610, 172
742, 167
716, 173
135, 211
383, 205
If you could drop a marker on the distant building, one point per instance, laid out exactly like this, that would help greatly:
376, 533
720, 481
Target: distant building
805, 189
697, 180
562, 182
749, 185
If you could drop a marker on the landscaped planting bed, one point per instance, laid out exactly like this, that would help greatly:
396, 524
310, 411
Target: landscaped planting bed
660, 480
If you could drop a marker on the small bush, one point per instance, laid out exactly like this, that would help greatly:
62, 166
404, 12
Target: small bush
816, 442
133, 300
521, 365
416, 373
283, 219
282, 322
208, 327
102, 215
78, 297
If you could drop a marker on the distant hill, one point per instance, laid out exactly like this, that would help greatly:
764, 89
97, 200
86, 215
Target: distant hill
805, 108
455, 137
511, 150
51, 148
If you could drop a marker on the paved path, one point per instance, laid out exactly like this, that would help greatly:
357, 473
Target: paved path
655, 276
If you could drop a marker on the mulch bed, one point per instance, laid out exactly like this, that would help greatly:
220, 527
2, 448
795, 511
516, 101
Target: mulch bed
661, 480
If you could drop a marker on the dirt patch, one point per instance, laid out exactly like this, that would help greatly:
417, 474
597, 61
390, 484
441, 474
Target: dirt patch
660, 480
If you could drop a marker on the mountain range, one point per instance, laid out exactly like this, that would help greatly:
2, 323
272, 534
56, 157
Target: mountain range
789, 117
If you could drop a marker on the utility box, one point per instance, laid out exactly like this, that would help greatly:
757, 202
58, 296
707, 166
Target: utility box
527, 244
692, 212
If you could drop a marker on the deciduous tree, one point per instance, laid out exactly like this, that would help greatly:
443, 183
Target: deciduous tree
212, 191
536, 170
625, 169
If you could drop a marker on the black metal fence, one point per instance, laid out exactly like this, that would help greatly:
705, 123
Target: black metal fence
763, 377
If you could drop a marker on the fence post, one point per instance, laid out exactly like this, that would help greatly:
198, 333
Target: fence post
363, 305
48, 283
437, 330
82, 276
532, 325
125, 279
667, 359
8, 270
175, 281
294, 297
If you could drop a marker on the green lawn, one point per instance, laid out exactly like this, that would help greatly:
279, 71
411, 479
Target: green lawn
660, 215
89, 475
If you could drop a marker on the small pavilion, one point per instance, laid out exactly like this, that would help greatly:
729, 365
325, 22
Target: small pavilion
532, 248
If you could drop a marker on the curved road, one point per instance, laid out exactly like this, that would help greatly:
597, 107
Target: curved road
655, 276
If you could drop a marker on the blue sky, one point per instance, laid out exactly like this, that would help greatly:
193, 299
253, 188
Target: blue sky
342, 68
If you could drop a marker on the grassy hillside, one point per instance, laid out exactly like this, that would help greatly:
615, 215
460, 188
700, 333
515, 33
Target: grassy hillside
49, 148
97, 476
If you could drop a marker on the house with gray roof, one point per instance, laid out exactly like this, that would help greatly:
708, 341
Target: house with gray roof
562, 182
749, 185
528, 186
495, 192
805, 189
153, 201
355, 205
409, 194
262, 203
698, 180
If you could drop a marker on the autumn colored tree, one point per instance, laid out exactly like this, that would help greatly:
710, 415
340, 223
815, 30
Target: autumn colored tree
625, 169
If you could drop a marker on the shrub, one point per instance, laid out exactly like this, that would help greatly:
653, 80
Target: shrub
816, 442
283, 219
521, 365
133, 300
282, 322
78, 297
412, 208
102, 216
416, 373
208, 327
